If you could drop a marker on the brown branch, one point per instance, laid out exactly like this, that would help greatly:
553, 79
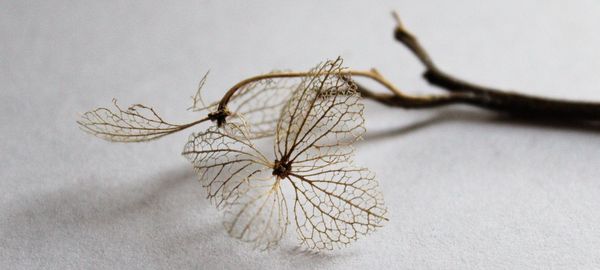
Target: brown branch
491, 98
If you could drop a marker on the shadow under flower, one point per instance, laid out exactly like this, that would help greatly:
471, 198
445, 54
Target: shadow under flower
99, 222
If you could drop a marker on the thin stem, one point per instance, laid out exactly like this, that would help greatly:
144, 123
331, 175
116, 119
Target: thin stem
182, 127
398, 98
186, 126
423, 102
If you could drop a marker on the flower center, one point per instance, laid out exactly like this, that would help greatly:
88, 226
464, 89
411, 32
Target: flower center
282, 168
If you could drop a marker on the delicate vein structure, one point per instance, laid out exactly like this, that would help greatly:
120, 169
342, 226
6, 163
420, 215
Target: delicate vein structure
135, 124
332, 202
257, 103
198, 103
238, 179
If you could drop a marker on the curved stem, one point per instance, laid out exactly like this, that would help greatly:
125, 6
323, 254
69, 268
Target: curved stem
423, 102
397, 98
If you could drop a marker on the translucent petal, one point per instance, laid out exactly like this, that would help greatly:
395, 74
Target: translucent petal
258, 214
135, 124
335, 202
257, 103
238, 179
260, 104
323, 116
334, 206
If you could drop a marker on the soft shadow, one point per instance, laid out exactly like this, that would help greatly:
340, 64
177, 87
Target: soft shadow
311, 259
303, 252
483, 117
88, 204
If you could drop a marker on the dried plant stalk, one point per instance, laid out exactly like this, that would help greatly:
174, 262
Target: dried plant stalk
334, 201
316, 116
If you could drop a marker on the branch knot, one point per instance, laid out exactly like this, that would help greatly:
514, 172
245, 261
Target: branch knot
219, 116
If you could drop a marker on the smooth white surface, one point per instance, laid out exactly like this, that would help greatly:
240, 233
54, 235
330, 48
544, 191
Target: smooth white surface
465, 189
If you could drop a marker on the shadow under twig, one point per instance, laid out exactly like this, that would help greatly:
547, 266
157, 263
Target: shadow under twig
488, 118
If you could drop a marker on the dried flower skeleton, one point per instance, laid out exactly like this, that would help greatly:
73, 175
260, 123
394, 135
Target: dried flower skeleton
313, 117
314, 122
333, 201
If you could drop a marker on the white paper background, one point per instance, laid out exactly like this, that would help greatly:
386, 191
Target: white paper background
465, 189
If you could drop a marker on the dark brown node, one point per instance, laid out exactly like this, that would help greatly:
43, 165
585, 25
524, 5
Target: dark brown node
282, 169
219, 116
